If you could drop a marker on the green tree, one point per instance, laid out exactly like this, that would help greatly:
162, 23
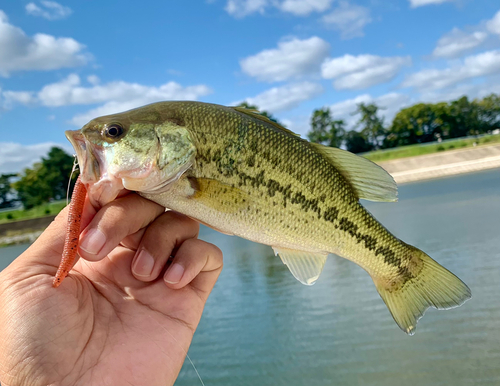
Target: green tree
356, 142
325, 130
463, 118
264, 113
47, 180
372, 126
489, 112
7, 196
416, 124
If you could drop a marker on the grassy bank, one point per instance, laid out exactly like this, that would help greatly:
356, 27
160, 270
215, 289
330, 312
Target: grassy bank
434, 147
39, 211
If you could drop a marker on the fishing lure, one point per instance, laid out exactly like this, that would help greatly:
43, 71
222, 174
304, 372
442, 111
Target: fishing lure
72, 233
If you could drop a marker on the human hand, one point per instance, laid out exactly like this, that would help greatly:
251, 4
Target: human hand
107, 324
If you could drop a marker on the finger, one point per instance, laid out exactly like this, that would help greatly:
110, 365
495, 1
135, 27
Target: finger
115, 221
196, 262
160, 239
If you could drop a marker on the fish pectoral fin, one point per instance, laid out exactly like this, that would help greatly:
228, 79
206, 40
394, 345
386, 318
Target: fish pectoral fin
370, 181
304, 266
217, 195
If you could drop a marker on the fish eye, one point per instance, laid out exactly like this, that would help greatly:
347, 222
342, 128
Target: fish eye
114, 131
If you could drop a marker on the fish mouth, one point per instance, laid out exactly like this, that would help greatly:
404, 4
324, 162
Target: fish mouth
102, 187
83, 156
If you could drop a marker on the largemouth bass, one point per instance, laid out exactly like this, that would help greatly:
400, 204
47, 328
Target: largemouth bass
242, 174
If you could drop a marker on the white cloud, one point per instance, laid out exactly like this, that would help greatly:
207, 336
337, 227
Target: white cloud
14, 157
93, 79
493, 25
389, 105
49, 10
304, 7
362, 71
349, 19
474, 66
419, 3
70, 92
291, 60
457, 42
10, 98
285, 97
19, 52
470, 89
117, 96
242, 8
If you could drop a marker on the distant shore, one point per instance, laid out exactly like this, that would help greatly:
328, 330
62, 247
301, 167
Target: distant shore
443, 164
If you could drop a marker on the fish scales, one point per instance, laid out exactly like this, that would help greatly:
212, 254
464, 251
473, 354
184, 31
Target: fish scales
242, 174
289, 183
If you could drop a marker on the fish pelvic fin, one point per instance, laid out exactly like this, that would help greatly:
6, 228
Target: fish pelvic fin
409, 295
304, 266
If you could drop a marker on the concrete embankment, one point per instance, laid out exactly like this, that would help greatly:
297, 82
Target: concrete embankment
23, 231
443, 163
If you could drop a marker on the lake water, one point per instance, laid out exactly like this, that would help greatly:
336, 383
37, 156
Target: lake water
261, 327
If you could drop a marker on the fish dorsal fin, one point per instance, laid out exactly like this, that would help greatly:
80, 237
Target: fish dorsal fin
304, 266
257, 115
369, 180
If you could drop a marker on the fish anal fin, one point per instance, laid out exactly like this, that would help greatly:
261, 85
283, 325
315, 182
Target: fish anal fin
304, 266
370, 181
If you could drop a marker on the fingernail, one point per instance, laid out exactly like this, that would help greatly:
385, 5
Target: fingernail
93, 241
144, 263
174, 274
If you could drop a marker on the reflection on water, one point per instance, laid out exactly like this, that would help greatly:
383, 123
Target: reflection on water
261, 327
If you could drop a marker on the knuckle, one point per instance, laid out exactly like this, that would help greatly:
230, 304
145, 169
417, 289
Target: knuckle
180, 218
216, 251
156, 238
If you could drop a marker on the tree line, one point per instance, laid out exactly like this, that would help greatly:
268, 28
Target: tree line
45, 181
424, 122
420, 123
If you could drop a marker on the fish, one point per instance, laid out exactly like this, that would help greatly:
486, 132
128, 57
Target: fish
243, 174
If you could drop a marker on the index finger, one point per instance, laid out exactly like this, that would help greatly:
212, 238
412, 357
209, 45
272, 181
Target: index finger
115, 221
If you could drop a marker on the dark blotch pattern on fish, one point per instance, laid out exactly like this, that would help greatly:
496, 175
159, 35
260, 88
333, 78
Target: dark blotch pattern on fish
248, 148
389, 256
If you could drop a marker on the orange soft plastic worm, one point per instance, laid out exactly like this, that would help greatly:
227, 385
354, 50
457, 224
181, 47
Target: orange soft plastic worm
73, 232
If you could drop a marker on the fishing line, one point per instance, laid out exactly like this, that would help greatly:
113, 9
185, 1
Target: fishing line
75, 165
194, 367
187, 355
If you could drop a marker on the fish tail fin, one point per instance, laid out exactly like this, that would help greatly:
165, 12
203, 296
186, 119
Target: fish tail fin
422, 285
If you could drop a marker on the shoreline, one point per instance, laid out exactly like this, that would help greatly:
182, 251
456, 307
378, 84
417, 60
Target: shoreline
23, 231
437, 165
24, 238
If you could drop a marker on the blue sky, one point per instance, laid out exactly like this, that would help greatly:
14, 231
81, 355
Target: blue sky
63, 63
